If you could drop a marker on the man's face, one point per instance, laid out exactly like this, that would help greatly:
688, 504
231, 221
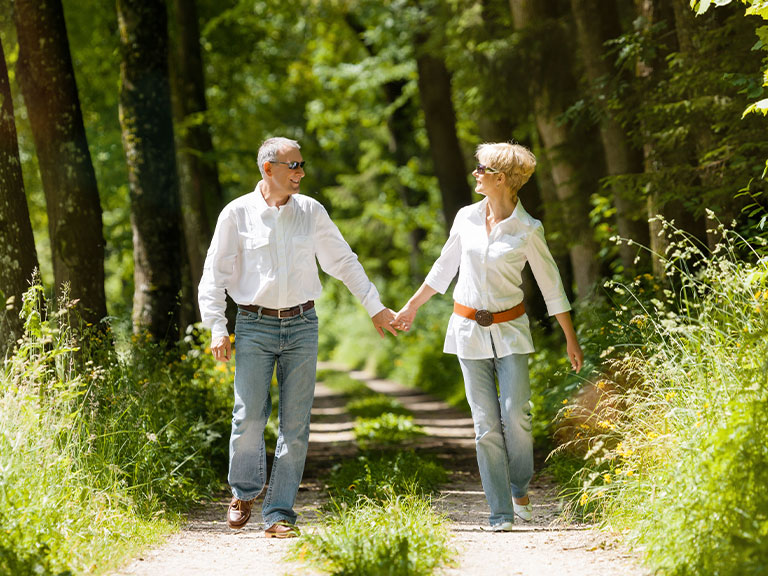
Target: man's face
284, 177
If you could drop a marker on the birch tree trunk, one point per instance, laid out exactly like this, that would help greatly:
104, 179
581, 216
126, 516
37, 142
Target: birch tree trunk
47, 82
147, 126
18, 257
554, 138
617, 152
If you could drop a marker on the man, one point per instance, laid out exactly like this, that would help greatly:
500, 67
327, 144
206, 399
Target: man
263, 254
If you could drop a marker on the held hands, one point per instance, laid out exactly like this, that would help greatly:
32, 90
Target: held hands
221, 348
404, 319
384, 320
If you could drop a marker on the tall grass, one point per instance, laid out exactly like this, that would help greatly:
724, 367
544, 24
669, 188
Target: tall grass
100, 450
676, 446
380, 519
399, 536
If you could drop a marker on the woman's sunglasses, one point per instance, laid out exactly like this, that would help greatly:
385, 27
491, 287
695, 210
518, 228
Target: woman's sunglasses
482, 169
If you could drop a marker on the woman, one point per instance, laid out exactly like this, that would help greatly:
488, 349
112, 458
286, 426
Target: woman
489, 244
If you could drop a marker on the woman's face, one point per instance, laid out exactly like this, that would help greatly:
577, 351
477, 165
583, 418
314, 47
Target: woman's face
487, 178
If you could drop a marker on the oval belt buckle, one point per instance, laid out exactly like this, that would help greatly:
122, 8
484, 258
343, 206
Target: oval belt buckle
484, 318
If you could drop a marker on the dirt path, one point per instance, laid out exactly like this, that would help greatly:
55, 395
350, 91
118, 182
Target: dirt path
544, 547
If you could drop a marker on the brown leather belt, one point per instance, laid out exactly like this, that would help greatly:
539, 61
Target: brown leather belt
282, 312
485, 318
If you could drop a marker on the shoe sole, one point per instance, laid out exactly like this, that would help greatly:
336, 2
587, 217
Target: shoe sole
284, 535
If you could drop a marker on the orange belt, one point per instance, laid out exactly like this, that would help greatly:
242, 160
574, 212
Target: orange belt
485, 318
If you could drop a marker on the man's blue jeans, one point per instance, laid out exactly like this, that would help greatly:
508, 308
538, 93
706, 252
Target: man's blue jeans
502, 429
261, 342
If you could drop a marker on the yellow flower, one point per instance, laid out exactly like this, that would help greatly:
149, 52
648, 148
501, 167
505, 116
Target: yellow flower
584, 499
607, 478
565, 401
232, 338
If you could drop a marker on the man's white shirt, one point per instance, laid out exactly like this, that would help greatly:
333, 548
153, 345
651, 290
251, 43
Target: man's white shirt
267, 256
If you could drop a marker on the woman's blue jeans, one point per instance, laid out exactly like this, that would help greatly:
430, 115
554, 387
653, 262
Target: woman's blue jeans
261, 343
502, 428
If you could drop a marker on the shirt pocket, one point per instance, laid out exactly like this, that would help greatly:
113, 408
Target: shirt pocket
256, 252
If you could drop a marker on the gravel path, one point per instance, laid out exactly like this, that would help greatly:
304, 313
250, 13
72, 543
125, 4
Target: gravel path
547, 546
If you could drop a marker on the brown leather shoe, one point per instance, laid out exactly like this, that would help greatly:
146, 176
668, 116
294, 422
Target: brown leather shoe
281, 530
239, 513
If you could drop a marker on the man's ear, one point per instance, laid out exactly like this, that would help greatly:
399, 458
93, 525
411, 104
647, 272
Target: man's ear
268, 168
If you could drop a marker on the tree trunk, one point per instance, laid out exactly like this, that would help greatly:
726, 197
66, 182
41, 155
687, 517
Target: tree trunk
703, 137
440, 119
199, 186
618, 155
554, 138
47, 82
147, 126
649, 12
18, 258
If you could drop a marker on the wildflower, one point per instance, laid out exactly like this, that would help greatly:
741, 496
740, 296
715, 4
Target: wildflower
232, 338
607, 478
565, 401
584, 499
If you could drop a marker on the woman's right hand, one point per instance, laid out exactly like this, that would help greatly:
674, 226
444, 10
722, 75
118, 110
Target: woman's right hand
404, 318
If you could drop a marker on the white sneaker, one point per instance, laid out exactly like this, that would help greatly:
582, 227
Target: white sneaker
524, 511
503, 527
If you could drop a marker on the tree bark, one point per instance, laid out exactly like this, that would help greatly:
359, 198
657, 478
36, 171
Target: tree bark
18, 257
440, 118
199, 186
47, 82
617, 152
554, 138
147, 127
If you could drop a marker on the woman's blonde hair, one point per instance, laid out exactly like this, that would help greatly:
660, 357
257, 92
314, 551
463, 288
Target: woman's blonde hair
514, 160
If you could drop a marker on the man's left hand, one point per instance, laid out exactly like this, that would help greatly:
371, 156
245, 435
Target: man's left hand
383, 321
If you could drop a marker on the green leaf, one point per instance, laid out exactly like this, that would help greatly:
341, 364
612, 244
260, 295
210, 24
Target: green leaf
760, 106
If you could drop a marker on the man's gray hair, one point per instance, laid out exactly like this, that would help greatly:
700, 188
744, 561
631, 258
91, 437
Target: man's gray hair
269, 149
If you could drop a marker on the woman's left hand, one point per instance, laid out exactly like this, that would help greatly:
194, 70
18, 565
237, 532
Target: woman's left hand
575, 355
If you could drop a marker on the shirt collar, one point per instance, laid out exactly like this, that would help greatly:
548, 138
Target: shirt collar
518, 217
261, 204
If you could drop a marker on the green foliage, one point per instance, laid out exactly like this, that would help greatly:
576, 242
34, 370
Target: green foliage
674, 446
99, 450
399, 536
386, 430
375, 406
375, 475
343, 383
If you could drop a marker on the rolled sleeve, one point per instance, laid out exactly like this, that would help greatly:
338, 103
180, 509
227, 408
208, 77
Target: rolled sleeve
546, 273
447, 265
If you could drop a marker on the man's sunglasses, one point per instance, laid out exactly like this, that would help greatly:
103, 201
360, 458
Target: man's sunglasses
292, 165
482, 169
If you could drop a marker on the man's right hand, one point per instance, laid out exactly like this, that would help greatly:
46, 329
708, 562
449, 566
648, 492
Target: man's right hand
221, 348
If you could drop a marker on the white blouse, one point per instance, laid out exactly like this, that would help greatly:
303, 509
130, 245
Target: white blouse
490, 277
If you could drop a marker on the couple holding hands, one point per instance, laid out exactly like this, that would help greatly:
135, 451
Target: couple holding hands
264, 254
